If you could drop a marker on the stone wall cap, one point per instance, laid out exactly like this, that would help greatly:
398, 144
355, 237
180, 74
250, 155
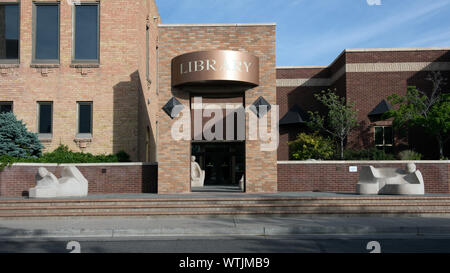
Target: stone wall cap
367, 162
85, 164
219, 25
302, 66
396, 49
350, 50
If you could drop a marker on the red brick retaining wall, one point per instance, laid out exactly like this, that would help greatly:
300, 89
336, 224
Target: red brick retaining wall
15, 181
335, 176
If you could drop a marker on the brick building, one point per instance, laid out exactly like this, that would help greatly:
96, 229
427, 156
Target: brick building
105, 76
365, 77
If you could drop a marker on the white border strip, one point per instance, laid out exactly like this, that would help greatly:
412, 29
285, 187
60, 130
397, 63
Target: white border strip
366, 68
397, 67
365, 162
219, 25
84, 164
303, 82
396, 49
303, 66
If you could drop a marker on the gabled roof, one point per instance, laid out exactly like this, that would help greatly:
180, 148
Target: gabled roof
295, 115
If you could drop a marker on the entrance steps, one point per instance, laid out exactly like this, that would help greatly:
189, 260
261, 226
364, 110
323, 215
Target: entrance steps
359, 205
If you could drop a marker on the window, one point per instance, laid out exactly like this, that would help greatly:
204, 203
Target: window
9, 33
86, 33
84, 119
6, 107
45, 119
384, 138
46, 33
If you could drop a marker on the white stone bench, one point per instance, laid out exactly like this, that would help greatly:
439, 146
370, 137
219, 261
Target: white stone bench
390, 181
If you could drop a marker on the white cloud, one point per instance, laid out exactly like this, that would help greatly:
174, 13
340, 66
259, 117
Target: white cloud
435, 38
347, 38
374, 2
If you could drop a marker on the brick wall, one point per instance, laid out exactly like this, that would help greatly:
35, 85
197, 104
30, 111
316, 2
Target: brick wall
335, 176
366, 90
115, 86
15, 181
174, 156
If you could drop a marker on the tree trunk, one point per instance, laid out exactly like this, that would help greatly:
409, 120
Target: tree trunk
441, 147
342, 149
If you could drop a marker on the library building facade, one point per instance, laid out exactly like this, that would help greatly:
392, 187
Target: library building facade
109, 76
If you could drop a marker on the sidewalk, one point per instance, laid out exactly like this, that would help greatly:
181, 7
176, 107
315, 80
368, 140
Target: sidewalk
221, 226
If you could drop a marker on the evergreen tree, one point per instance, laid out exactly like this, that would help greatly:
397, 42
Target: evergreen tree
16, 140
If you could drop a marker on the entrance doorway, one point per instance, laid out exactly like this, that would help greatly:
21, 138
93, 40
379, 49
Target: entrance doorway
223, 163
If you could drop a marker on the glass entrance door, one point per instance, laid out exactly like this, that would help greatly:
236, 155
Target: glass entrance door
223, 162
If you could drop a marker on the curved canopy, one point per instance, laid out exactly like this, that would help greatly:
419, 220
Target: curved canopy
215, 67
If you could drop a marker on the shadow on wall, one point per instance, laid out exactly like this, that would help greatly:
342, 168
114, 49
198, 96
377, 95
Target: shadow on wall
146, 136
127, 118
150, 179
303, 96
364, 134
423, 142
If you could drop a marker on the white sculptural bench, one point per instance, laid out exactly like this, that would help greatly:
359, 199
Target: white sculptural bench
71, 184
390, 181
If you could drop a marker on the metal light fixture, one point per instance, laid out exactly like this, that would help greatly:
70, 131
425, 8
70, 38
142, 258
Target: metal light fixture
171, 109
257, 107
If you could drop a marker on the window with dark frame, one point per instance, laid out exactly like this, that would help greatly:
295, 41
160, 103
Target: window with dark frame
46, 33
6, 106
384, 138
84, 119
45, 118
9, 33
86, 33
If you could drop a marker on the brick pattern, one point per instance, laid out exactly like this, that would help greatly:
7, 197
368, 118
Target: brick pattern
174, 156
398, 56
114, 87
15, 181
329, 177
366, 90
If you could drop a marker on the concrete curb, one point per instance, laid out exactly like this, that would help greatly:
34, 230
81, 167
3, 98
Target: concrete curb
226, 231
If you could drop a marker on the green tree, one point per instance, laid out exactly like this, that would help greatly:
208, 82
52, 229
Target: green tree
15, 140
417, 109
340, 120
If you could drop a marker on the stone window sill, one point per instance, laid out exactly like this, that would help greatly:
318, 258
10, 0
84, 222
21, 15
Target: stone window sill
45, 137
9, 65
83, 138
45, 65
86, 65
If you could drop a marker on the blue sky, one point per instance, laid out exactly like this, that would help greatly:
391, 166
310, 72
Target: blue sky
314, 32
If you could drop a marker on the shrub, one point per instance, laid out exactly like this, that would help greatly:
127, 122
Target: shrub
63, 155
409, 155
367, 154
16, 140
123, 157
311, 146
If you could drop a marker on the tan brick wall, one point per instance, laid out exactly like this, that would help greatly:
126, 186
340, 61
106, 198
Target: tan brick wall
173, 156
115, 87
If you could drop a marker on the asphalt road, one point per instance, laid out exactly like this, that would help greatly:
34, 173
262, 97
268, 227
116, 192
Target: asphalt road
301, 244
